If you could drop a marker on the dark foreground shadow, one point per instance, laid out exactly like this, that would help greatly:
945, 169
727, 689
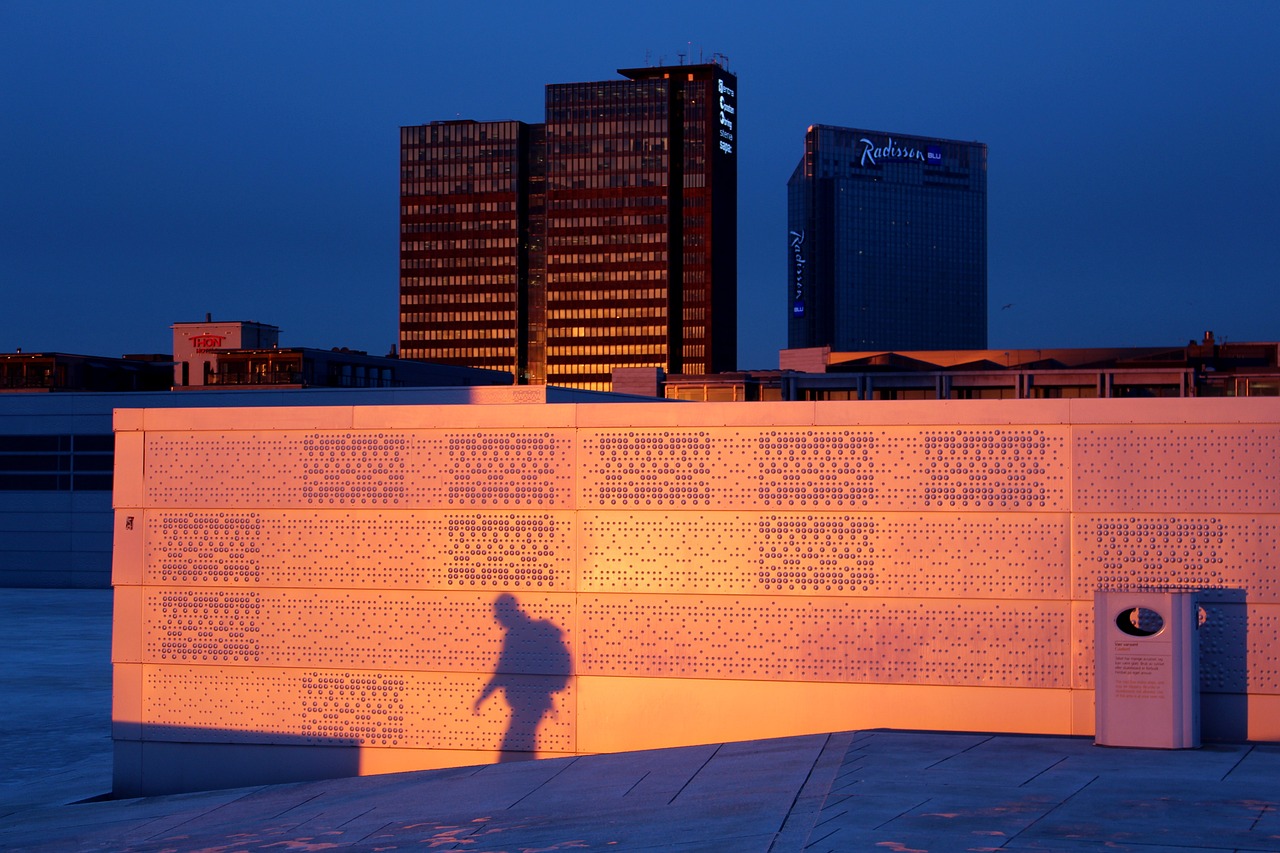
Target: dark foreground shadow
1224, 665
534, 665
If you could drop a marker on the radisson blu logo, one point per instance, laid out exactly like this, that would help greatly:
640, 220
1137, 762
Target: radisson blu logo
797, 274
873, 155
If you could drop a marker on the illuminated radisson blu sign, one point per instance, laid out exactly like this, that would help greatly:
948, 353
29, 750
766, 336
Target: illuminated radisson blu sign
873, 155
797, 273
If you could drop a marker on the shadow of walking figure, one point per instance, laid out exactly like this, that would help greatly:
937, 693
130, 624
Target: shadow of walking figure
533, 666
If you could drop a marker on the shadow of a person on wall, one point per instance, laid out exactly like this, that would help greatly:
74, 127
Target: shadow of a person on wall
533, 666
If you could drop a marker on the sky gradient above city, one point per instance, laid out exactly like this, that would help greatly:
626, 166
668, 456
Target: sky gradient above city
161, 160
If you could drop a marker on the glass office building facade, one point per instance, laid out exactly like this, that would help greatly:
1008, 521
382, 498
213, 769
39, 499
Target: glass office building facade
605, 237
464, 242
887, 242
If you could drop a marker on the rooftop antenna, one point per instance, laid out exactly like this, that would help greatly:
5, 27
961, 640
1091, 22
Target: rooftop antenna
648, 60
681, 55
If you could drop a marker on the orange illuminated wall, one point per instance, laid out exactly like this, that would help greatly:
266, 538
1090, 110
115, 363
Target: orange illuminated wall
308, 592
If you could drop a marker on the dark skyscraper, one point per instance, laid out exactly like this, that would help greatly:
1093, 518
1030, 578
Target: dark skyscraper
887, 242
606, 237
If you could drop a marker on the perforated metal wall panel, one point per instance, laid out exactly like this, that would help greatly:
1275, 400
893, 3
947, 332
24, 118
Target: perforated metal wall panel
360, 469
452, 578
323, 707
1206, 468
1203, 552
830, 553
407, 549
820, 639
888, 468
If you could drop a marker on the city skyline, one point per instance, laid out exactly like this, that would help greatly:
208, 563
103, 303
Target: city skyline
604, 238
163, 162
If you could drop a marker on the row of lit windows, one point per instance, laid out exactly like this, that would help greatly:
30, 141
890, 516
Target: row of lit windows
499, 319
613, 256
555, 333
459, 243
604, 350
457, 209
570, 102
624, 142
630, 164
455, 186
426, 352
474, 283
491, 229
576, 237
600, 294
466, 336
577, 110
457, 170
639, 200
558, 277
614, 313
625, 181
459, 148
655, 223
476, 297
459, 131
493, 264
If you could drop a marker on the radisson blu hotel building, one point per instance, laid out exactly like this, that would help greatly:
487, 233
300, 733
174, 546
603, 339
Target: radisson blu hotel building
887, 242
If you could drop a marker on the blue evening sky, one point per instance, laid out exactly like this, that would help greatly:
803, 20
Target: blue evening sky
160, 160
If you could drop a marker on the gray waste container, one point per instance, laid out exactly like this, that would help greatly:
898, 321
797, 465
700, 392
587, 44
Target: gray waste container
1146, 669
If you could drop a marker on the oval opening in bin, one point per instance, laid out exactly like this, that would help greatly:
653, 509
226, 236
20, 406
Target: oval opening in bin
1140, 622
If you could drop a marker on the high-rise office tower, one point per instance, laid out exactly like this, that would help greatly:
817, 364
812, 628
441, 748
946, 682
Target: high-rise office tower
887, 242
605, 237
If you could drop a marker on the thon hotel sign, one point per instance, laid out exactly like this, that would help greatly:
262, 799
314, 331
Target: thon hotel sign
873, 155
728, 115
205, 343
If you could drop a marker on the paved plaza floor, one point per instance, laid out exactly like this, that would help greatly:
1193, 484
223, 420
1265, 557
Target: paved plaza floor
847, 791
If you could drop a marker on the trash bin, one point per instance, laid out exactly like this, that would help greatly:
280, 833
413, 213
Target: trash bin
1147, 669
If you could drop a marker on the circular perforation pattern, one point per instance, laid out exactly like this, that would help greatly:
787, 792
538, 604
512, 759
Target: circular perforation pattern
665, 468
817, 467
819, 554
205, 547
488, 469
365, 708
363, 469
1021, 644
1181, 468
1015, 555
416, 549
206, 626
791, 468
503, 550
992, 468
412, 631
351, 468
1183, 551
